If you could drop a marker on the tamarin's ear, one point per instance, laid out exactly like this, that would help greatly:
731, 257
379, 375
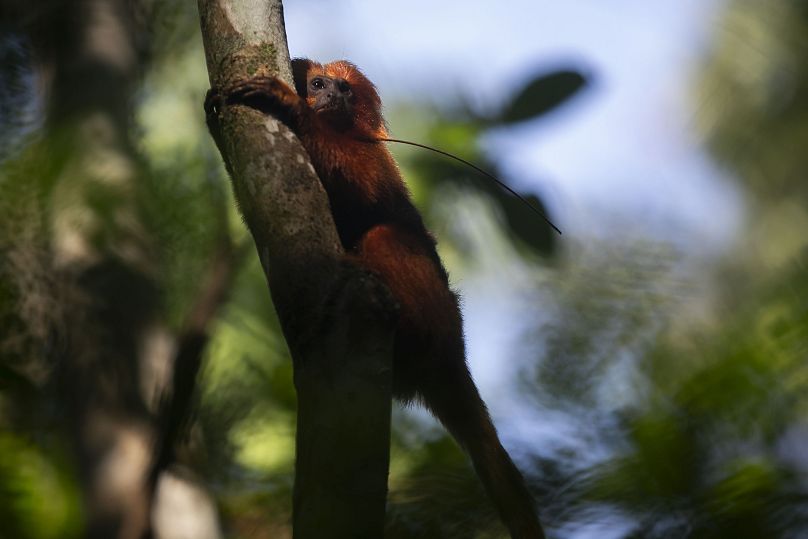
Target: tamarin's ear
300, 70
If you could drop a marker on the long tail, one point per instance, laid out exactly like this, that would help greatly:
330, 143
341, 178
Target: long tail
463, 413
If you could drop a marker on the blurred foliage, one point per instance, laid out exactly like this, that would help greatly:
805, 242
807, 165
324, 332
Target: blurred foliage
752, 106
247, 394
706, 452
608, 306
37, 499
753, 101
669, 413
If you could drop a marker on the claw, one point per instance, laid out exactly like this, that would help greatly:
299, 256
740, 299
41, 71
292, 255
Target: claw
213, 101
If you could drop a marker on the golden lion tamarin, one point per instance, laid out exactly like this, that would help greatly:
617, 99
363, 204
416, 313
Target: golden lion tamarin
336, 113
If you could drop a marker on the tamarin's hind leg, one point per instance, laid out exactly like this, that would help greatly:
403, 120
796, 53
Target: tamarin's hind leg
429, 317
430, 365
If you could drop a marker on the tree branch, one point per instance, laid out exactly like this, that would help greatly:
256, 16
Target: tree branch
174, 410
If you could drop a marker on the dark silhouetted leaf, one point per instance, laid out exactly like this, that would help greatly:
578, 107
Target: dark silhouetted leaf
542, 94
524, 224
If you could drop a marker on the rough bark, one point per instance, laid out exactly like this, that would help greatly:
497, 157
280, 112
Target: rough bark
337, 320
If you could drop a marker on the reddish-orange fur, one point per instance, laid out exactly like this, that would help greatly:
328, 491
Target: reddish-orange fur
380, 229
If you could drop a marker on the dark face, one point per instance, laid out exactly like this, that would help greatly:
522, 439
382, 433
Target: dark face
332, 97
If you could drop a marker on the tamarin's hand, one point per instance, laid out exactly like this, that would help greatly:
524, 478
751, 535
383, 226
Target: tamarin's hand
269, 95
259, 91
336, 113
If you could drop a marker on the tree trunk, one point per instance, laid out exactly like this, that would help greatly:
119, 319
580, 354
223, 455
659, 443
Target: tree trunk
338, 320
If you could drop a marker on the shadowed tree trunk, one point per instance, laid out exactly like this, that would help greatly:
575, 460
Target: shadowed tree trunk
338, 321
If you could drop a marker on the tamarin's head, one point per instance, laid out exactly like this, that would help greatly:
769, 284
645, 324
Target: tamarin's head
341, 94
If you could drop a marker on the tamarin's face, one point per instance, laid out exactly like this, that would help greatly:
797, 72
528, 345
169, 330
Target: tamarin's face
331, 96
340, 94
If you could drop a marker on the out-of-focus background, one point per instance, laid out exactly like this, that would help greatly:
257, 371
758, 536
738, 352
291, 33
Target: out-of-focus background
648, 369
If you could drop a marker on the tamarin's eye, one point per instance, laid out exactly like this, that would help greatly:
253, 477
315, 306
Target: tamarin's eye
317, 84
